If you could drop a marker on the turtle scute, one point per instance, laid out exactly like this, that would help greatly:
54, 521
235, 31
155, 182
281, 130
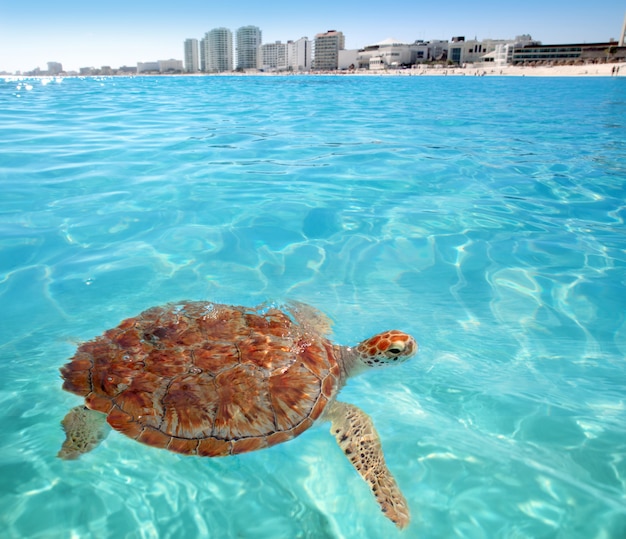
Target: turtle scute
205, 378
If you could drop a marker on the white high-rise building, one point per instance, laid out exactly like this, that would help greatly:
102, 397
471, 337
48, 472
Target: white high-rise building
248, 42
203, 52
191, 56
216, 51
299, 54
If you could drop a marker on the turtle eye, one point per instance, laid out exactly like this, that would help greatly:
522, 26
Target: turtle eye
395, 350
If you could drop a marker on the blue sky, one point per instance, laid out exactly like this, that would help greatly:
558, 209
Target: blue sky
81, 33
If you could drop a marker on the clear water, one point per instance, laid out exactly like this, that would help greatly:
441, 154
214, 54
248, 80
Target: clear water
484, 215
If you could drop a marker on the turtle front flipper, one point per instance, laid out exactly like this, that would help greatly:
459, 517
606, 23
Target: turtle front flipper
358, 439
84, 430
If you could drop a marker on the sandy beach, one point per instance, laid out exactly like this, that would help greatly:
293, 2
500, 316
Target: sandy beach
471, 70
584, 70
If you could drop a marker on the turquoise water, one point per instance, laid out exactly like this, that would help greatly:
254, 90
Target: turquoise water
484, 215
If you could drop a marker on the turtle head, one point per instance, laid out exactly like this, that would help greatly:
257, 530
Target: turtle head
387, 348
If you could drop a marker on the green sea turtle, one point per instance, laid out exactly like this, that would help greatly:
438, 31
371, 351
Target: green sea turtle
207, 379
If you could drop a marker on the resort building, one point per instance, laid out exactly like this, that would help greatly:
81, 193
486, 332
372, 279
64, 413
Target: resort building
474, 51
327, 47
347, 59
299, 54
192, 64
203, 53
54, 68
171, 66
216, 51
538, 54
392, 54
437, 50
290, 56
273, 57
160, 66
127, 70
147, 67
248, 42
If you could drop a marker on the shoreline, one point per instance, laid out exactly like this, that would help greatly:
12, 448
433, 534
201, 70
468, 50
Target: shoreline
582, 70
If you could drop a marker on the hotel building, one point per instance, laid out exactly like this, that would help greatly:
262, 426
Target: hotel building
216, 51
327, 47
538, 54
192, 64
390, 54
160, 66
486, 51
299, 54
290, 56
273, 57
54, 68
248, 42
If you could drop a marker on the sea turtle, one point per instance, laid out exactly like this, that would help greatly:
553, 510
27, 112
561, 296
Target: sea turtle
208, 379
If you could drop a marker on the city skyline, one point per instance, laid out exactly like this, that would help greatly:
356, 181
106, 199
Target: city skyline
117, 34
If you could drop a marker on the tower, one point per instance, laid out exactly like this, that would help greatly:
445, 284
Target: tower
299, 53
191, 56
327, 47
217, 51
248, 41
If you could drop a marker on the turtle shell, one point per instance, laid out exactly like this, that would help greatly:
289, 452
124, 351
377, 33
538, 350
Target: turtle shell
207, 379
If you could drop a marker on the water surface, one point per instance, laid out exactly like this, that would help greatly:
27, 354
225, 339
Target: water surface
483, 215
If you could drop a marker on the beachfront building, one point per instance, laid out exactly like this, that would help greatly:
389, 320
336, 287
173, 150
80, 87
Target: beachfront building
54, 68
192, 63
273, 57
248, 42
437, 50
216, 51
147, 67
290, 56
347, 59
171, 66
502, 53
160, 66
476, 51
107, 71
327, 47
127, 70
578, 53
299, 54
203, 52
391, 54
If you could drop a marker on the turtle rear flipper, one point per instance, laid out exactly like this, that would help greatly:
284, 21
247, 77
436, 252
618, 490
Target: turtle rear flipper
358, 439
84, 430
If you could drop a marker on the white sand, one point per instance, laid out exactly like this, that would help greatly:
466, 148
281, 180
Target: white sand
586, 70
